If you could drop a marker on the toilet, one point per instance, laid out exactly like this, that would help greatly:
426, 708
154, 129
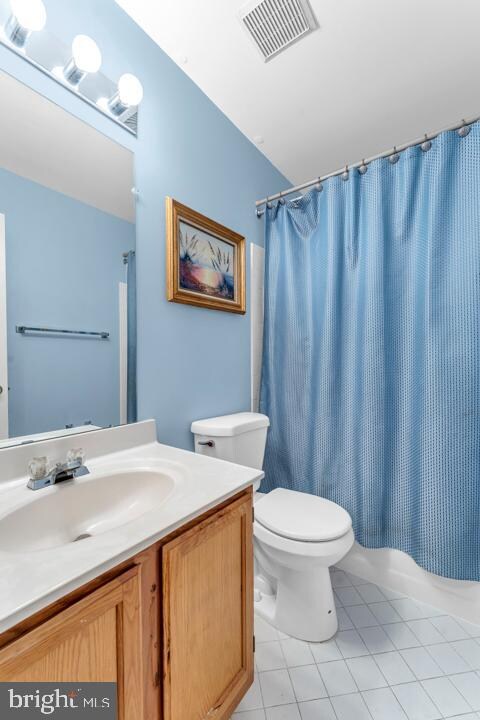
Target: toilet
297, 536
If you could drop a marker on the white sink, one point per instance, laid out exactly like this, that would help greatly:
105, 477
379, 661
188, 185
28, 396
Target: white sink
77, 510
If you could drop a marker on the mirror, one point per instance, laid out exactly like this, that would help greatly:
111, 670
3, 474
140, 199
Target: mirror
67, 272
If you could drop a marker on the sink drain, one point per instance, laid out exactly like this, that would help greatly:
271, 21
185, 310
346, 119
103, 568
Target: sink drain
83, 536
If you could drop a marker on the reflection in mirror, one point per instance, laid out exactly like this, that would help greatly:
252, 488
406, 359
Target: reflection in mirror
67, 272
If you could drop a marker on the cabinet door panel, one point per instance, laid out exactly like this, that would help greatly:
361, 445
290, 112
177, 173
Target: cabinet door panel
208, 616
97, 639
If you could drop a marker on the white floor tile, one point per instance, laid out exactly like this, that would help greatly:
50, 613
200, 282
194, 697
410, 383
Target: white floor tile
351, 644
276, 688
385, 613
263, 631
284, 712
344, 622
253, 699
415, 701
421, 663
250, 715
469, 716
348, 596
297, 652
371, 593
447, 659
340, 579
392, 594
355, 580
383, 705
366, 673
337, 678
376, 639
425, 632
317, 710
408, 609
469, 686
361, 616
269, 656
326, 651
470, 628
470, 652
446, 697
449, 628
307, 683
350, 707
401, 636
394, 668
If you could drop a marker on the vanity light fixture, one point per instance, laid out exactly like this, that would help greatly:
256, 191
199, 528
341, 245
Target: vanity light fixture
27, 16
129, 95
86, 58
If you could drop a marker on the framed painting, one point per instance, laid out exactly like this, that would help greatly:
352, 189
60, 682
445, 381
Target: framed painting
205, 261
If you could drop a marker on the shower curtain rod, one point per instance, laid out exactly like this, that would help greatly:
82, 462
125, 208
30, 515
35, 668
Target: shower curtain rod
427, 137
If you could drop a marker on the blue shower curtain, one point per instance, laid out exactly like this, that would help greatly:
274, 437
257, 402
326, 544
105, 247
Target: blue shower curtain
371, 367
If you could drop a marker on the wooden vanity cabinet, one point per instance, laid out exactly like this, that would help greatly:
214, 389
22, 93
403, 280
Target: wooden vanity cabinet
173, 626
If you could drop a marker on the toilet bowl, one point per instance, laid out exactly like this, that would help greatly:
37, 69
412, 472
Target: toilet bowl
297, 536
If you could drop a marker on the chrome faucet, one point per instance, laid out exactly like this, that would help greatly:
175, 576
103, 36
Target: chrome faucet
41, 476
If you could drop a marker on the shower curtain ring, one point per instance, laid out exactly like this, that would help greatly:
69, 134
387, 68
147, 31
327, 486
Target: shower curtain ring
346, 173
281, 200
394, 157
464, 130
426, 144
319, 185
363, 167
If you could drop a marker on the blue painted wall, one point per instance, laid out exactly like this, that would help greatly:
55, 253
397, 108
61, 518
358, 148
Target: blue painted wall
192, 362
64, 263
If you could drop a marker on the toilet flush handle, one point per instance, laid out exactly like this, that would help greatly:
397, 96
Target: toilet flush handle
207, 443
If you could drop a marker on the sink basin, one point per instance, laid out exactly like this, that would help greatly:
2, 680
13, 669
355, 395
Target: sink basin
77, 510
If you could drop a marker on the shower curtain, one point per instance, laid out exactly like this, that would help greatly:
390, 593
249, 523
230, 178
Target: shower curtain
371, 365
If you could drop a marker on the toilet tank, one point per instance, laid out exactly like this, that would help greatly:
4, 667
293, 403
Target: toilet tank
239, 438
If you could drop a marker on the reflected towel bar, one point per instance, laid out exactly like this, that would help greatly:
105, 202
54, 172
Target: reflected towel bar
22, 329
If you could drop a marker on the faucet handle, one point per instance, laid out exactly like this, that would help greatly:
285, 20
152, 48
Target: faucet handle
38, 467
77, 455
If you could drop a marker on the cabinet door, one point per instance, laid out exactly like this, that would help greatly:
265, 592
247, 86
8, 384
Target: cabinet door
98, 639
208, 616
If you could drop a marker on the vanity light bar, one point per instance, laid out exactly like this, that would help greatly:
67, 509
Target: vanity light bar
29, 16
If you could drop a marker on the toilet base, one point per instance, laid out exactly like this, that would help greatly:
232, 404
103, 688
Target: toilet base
303, 606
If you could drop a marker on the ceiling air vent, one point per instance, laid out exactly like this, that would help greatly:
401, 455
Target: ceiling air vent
276, 24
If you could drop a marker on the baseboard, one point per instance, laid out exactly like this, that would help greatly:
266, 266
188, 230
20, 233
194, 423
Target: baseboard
396, 570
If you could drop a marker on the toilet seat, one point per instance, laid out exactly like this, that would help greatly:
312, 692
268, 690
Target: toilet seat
301, 517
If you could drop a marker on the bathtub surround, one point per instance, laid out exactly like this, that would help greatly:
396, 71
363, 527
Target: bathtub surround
187, 149
370, 372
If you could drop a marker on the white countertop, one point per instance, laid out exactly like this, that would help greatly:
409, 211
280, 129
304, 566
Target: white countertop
31, 581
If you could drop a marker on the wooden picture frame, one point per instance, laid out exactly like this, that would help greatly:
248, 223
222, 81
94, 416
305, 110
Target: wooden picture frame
205, 261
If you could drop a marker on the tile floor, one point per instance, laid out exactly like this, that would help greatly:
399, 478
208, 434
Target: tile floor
392, 659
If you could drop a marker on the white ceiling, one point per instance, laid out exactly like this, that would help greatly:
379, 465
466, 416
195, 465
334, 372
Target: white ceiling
44, 143
377, 73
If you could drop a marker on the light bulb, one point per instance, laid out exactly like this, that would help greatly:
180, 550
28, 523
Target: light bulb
31, 14
128, 95
130, 90
27, 16
86, 58
86, 54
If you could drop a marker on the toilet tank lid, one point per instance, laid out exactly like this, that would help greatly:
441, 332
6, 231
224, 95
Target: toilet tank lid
229, 425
